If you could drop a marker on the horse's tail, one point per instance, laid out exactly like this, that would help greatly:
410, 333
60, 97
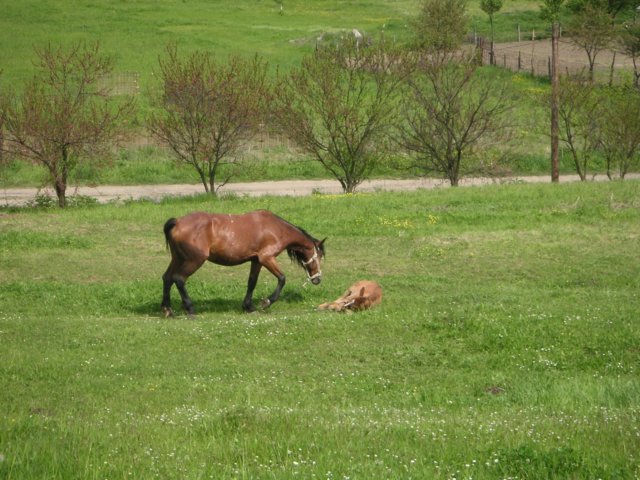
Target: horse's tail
168, 226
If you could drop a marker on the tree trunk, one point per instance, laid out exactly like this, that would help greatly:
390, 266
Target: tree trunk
612, 70
61, 189
349, 186
582, 172
609, 175
492, 55
212, 185
555, 98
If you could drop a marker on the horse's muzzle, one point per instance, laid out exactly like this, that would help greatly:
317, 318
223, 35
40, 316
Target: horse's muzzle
316, 280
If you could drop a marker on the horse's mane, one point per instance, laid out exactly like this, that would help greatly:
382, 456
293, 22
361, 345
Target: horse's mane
297, 256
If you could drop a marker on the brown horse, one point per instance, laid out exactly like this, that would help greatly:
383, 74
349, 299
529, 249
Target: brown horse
257, 237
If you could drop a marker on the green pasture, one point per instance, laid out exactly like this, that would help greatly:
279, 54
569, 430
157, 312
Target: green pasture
506, 345
136, 32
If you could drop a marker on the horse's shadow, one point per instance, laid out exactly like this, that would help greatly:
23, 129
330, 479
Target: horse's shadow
211, 305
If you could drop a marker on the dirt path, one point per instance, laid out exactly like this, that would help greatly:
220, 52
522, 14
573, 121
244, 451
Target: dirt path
569, 53
114, 193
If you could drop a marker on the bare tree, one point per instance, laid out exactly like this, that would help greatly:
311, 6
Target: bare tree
339, 106
578, 122
208, 110
452, 115
591, 28
64, 117
618, 114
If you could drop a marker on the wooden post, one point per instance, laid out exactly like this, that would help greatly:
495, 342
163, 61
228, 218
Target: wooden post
519, 60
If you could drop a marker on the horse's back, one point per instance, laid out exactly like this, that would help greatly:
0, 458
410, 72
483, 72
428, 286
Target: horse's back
187, 236
226, 238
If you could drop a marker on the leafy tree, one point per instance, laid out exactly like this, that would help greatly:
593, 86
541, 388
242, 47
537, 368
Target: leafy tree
613, 7
452, 114
208, 110
592, 29
550, 11
578, 122
339, 106
630, 45
64, 117
618, 113
441, 26
491, 7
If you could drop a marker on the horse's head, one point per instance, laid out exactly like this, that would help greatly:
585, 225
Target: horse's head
312, 264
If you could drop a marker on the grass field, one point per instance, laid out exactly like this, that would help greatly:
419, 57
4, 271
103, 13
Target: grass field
506, 345
137, 32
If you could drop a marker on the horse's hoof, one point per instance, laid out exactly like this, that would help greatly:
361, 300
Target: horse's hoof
266, 303
167, 312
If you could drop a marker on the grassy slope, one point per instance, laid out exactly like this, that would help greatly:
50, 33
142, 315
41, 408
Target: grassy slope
506, 344
136, 32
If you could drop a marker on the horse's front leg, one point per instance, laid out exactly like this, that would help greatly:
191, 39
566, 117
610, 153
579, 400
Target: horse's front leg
247, 303
271, 265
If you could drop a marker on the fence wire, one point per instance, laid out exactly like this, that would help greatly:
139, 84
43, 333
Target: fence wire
523, 57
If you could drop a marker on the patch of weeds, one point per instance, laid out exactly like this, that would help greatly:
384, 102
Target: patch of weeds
80, 201
528, 461
43, 201
19, 240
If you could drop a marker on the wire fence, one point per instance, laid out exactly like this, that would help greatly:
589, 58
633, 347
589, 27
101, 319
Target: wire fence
121, 83
534, 57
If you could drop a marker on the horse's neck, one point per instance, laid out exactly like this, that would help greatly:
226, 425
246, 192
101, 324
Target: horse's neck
297, 237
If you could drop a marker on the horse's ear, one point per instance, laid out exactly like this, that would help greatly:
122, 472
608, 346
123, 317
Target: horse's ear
321, 245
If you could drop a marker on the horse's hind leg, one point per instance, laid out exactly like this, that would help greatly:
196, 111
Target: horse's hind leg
178, 273
167, 283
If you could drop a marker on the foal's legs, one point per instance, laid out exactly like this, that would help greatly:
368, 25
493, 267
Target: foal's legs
178, 272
